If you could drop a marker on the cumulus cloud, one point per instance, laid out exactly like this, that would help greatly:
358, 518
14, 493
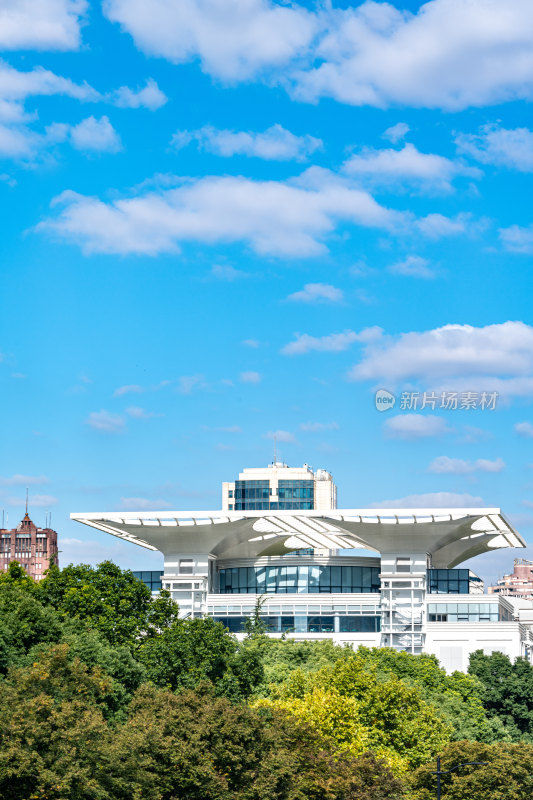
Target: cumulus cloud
282, 218
23, 480
495, 357
106, 422
517, 239
41, 24
274, 144
443, 56
413, 267
459, 466
406, 167
524, 429
225, 272
250, 377
370, 54
396, 132
150, 96
433, 500
317, 293
415, 426
232, 39
332, 343
96, 135
253, 343
499, 146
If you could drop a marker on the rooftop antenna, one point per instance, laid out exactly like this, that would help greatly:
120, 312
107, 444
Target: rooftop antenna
26, 501
275, 451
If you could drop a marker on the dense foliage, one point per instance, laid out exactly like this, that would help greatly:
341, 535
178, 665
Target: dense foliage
105, 694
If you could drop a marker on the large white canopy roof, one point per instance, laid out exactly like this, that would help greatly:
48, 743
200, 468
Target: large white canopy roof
450, 535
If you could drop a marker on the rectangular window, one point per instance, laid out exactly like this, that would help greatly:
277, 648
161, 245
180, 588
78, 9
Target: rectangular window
185, 566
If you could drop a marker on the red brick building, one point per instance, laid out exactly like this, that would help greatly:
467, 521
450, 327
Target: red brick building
34, 548
519, 583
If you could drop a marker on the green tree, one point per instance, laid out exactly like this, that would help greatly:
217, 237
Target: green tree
24, 621
194, 650
194, 746
361, 710
508, 774
110, 600
507, 691
53, 735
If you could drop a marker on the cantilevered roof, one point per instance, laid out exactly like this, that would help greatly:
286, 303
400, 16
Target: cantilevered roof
450, 535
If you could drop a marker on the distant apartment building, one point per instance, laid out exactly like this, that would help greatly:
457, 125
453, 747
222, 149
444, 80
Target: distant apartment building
519, 583
280, 488
34, 548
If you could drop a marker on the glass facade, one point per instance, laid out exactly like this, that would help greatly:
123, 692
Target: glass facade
301, 579
152, 579
468, 612
257, 495
448, 581
301, 623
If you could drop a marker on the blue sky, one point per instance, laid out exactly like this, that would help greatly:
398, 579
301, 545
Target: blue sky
224, 219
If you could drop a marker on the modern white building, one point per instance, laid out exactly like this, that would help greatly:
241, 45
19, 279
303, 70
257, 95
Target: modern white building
279, 487
411, 596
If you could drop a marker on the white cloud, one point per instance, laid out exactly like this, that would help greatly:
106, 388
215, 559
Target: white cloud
233, 39
496, 357
97, 135
253, 343
517, 239
230, 429
135, 388
524, 429
433, 500
436, 226
143, 504
106, 421
225, 272
407, 166
458, 466
332, 343
450, 55
413, 267
281, 436
250, 377
41, 24
500, 146
415, 426
317, 293
132, 388
274, 144
24, 480
318, 427
276, 218
150, 96
187, 383
396, 132
136, 412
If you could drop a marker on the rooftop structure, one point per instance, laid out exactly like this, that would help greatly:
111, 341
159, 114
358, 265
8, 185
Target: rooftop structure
34, 548
279, 487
